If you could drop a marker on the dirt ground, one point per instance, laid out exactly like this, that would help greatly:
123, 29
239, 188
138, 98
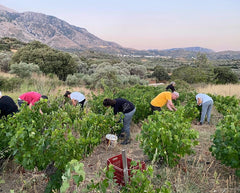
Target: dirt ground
201, 170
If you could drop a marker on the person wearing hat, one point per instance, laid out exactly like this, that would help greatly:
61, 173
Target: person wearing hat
171, 87
164, 98
76, 98
7, 106
31, 98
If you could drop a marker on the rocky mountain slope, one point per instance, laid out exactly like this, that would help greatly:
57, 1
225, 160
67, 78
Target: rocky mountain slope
58, 34
28, 26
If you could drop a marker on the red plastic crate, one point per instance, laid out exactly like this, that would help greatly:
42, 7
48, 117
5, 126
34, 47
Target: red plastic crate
117, 163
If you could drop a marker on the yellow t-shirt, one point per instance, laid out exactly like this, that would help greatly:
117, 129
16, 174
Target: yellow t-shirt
161, 99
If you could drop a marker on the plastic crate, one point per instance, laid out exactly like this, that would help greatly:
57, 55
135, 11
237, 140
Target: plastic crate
117, 163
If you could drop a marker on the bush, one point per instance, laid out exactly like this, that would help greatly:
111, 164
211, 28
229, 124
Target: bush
10, 84
166, 137
224, 75
24, 70
160, 73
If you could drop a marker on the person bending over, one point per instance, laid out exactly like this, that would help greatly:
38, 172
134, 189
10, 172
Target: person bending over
127, 108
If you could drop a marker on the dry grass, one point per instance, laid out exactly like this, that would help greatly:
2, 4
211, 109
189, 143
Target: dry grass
224, 90
47, 86
6, 75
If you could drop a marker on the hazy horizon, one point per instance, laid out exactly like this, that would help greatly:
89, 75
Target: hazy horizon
153, 24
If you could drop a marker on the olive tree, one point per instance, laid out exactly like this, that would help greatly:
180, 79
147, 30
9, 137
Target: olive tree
49, 60
24, 70
160, 73
224, 75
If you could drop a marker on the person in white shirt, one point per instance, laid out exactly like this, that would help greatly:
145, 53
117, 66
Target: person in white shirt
207, 103
76, 98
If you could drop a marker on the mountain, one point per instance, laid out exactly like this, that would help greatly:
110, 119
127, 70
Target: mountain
29, 26
58, 34
191, 49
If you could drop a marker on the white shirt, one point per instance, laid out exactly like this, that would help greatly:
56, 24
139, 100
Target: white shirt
77, 96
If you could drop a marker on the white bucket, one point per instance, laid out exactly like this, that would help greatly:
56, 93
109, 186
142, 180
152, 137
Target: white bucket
111, 140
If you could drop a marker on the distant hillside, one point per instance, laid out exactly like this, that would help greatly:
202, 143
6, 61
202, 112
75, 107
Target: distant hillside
50, 30
58, 34
191, 49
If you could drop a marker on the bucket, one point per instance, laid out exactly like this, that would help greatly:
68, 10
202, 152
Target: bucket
111, 140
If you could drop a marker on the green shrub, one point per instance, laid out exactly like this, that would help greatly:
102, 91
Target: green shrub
24, 70
166, 136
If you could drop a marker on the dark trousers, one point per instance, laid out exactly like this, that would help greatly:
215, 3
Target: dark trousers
155, 108
82, 103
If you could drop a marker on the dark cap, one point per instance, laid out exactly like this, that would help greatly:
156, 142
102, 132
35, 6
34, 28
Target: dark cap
44, 97
67, 93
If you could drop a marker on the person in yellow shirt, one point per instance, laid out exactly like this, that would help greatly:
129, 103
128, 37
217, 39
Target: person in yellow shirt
164, 98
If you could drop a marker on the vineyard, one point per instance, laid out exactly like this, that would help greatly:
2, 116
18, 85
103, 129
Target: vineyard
61, 146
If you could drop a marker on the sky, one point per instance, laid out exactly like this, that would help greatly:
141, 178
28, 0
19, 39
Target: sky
148, 24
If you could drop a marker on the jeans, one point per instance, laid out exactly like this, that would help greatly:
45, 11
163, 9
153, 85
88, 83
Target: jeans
127, 122
206, 109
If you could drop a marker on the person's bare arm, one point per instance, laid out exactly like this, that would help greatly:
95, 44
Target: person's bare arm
171, 106
30, 106
74, 102
199, 101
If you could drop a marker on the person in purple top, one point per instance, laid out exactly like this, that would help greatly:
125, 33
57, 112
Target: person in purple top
127, 108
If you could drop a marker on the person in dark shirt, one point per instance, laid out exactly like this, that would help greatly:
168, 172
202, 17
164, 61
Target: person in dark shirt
171, 86
7, 106
128, 109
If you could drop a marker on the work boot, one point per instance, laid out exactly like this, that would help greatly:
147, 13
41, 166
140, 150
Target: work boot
121, 136
126, 141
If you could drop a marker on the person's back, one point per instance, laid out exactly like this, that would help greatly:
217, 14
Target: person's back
30, 97
77, 96
123, 105
204, 98
7, 106
171, 87
161, 99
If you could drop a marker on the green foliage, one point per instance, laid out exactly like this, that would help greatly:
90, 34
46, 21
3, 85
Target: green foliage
8, 43
24, 70
201, 60
48, 59
167, 136
189, 74
10, 84
226, 105
226, 139
224, 75
160, 73
54, 182
139, 70
104, 184
75, 79
142, 181
56, 136
5, 58
74, 174
140, 96
226, 142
